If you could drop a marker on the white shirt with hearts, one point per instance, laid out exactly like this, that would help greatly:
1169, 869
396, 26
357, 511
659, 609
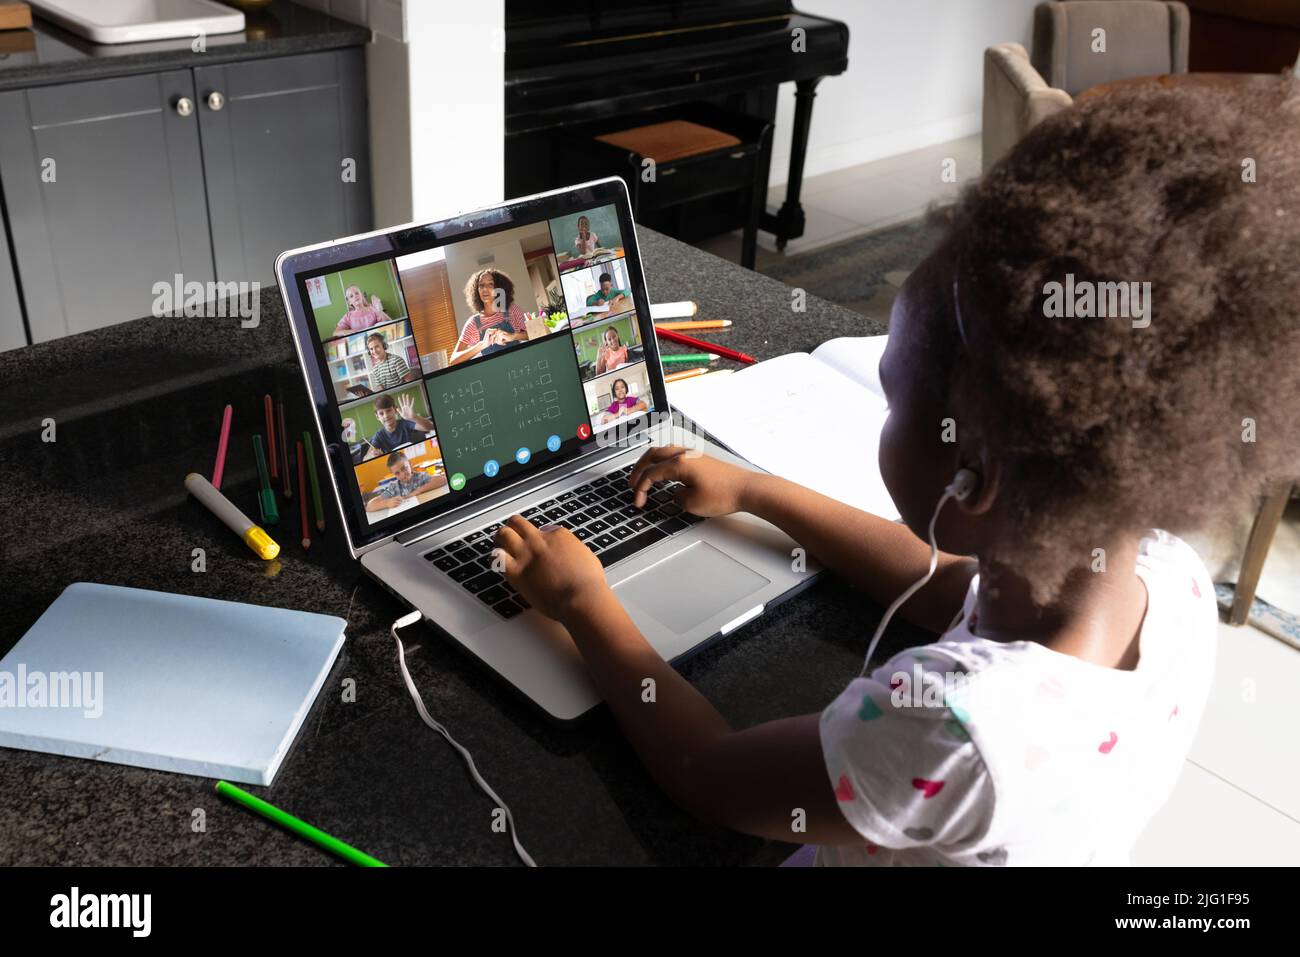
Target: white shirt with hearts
975, 752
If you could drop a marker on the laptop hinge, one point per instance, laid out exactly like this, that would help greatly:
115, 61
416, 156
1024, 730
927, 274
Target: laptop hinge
528, 487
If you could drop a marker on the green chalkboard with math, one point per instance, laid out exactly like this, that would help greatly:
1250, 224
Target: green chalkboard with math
488, 411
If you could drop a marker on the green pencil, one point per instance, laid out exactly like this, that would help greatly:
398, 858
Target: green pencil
688, 357
301, 828
315, 482
266, 494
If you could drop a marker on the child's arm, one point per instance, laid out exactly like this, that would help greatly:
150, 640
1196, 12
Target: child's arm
751, 781
880, 557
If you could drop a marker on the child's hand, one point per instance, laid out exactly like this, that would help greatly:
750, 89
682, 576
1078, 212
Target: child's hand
552, 569
712, 487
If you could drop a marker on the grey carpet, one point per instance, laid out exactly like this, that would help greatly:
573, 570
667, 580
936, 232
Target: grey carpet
863, 273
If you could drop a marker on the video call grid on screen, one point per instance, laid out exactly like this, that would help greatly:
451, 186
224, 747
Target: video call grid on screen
389, 330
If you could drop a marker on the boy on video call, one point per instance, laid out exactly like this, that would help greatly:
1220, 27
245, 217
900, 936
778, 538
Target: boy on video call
407, 483
402, 425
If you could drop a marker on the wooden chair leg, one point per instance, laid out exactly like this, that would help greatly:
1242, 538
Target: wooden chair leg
1252, 563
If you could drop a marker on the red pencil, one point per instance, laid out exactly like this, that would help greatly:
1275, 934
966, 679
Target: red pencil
272, 458
284, 452
701, 344
219, 469
302, 495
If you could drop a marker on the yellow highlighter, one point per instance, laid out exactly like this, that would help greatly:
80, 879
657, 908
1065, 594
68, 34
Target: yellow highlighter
253, 535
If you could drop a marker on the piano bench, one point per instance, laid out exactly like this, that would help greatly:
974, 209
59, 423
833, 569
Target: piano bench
670, 158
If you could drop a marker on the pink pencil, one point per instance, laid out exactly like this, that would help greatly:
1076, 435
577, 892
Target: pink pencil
220, 467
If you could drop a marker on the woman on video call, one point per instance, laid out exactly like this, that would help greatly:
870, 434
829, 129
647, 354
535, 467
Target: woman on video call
498, 322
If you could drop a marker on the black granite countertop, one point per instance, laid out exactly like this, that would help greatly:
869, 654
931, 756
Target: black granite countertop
50, 54
136, 406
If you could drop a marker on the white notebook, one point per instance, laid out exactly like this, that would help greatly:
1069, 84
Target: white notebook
813, 418
163, 681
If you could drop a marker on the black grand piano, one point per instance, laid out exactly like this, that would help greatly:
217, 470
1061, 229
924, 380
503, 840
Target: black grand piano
571, 64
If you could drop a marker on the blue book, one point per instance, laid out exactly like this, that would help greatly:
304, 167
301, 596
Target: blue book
171, 682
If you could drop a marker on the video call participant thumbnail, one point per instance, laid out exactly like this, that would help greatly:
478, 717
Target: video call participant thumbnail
407, 483
587, 238
355, 299
362, 313
598, 292
586, 242
623, 404
497, 323
619, 395
608, 295
399, 425
387, 369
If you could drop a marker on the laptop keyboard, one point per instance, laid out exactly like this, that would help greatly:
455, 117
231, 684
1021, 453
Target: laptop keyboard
600, 514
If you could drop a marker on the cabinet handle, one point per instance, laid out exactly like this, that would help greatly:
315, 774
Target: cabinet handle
216, 101
184, 106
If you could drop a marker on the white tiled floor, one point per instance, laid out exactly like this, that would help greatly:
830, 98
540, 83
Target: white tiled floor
1238, 799
1210, 822
861, 199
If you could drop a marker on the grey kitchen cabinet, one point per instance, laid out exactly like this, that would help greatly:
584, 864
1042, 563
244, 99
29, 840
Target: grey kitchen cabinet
285, 147
103, 183
12, 331
115, 185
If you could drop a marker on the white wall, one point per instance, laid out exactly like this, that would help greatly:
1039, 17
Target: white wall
436, 76
458, 125
915, 78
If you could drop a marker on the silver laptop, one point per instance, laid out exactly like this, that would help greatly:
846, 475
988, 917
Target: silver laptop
499, 362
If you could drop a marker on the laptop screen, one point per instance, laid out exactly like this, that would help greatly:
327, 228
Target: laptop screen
468, 356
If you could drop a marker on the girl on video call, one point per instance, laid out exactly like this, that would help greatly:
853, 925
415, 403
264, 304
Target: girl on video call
1072, 632
623, 404
612, 353
586, 242
364, 312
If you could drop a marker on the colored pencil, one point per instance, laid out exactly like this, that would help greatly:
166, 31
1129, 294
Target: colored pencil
302, 496
219, 468
684, 357
703, 346
297, 826
283, 436
686, 374
315, 483
270, 434
696, 324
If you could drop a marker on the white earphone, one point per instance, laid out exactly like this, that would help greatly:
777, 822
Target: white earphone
963, 484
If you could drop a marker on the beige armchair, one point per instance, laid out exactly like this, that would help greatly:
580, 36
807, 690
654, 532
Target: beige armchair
1142, 38
1015, 99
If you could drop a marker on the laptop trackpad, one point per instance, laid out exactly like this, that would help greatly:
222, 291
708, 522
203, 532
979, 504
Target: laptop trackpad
686, 590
